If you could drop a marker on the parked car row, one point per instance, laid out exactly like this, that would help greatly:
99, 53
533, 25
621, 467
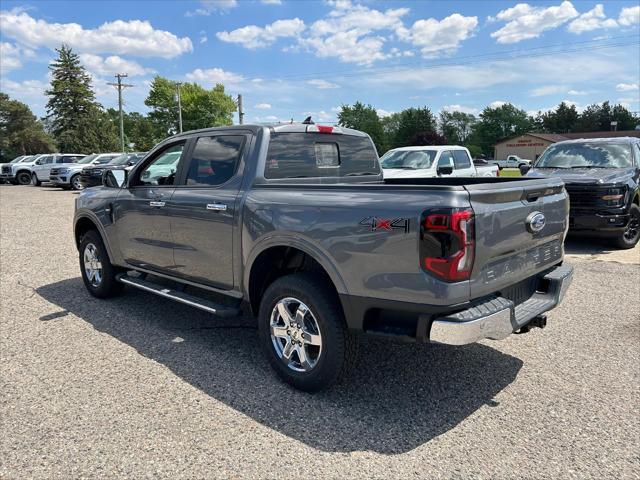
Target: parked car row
65, 170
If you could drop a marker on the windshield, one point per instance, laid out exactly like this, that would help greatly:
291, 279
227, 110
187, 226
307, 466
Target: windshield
17, 159
27, 159
88, 159
126, 158
586, 155
408, 159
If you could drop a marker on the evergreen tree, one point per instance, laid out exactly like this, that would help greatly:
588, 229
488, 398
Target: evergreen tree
77, 122
563, 119
411, 122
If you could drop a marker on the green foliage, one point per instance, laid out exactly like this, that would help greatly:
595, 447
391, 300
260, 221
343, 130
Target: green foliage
20, 131
138, 129
474, 150
498, 123
77, 122
411, 122
456, 126
364, 118
598, 117
561, 120
201, 108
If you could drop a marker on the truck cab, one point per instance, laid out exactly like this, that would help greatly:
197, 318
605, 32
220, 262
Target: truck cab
431, 162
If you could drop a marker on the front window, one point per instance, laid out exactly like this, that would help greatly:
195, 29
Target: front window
214, 160
106, 159
586, 155
162, 170
408, 159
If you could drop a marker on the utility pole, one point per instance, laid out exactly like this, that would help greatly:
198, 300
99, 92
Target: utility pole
179, 107
240, 111
120, 86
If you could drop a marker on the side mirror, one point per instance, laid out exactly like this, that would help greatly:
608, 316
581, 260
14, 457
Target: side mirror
445, 170
114, 178
524, 169
39, 162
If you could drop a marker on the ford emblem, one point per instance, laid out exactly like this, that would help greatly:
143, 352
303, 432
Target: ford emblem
535, 222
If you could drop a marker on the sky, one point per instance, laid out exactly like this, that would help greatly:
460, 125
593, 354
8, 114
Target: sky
293, 58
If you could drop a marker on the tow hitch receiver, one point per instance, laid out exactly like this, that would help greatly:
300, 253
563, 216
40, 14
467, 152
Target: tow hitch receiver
540, 321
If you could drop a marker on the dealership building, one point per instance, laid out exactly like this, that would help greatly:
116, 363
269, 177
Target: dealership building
531, 145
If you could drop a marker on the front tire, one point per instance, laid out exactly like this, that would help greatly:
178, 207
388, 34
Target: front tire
34, 180
23, 178
304, 334
629, 238
75, 182
98, 274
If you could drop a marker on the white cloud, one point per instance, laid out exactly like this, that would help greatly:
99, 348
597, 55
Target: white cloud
207, 7
576, 92
627, 87
525, 21
9, 57
263, 106
629, 16
497, 104
271, 2
27, 89
322, 84
360, 18
320, 116
382, 113
111, 65
348, 47
460, 108
132, 37
253, 36
592, 20
203, 37
211, 76
548, 90
443, 36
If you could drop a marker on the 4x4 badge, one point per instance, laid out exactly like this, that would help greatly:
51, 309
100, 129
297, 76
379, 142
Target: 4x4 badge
377, 223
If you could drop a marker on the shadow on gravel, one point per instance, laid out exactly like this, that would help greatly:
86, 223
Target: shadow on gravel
575, 245
401, 395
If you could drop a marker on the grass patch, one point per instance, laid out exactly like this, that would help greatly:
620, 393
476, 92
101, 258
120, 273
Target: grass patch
510, 172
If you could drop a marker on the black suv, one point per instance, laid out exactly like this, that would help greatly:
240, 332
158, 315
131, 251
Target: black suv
601, 176
91, 175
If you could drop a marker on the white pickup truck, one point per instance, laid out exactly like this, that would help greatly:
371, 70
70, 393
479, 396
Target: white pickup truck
512, 161
432, 161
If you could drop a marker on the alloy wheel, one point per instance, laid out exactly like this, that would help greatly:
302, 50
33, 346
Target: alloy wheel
295, 334
76, 183
92, 265
633, 228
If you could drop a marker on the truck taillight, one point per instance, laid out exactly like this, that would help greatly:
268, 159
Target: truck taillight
447, 243
323, 129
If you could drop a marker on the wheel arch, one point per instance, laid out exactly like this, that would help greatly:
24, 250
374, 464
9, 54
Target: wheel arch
277, 258
84, 223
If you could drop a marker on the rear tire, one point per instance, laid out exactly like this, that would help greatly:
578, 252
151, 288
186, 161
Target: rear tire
98, 274
75, 182
23, 178
330, 349
629, 238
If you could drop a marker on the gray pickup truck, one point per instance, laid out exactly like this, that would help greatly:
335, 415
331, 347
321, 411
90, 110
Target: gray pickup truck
295, 223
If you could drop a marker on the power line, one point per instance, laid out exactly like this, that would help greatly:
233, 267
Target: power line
119, 86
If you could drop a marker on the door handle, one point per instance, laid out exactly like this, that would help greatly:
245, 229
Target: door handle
217, 207
156, 204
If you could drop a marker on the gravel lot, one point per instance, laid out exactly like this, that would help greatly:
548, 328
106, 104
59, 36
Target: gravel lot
141, 387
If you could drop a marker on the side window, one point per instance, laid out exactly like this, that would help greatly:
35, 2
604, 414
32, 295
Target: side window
214, 160
59, 159
461, 159
446, 159
637, 154
162, 169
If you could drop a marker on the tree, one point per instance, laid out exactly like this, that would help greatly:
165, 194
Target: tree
456, 126
365, 118
497, 123
139, 130
413, 121
201, 108
598, 117
563, 119
77, 121
427, 138
20, 131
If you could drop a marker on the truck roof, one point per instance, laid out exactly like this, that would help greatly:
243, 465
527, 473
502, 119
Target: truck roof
430, 147
601, 140
276, 127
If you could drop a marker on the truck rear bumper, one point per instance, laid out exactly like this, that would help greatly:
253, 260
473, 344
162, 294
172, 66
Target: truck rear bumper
498, 317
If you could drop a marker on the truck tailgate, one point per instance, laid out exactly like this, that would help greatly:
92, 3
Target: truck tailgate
508, 247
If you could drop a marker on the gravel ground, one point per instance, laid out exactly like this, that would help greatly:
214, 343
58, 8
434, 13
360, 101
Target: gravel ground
141, 387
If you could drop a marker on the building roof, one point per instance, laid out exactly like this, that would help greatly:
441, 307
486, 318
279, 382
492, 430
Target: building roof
559, 137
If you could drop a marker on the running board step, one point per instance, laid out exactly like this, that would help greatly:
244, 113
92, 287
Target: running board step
197, 302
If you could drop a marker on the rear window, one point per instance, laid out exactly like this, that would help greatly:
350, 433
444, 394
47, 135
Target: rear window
300, 155
461, 159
